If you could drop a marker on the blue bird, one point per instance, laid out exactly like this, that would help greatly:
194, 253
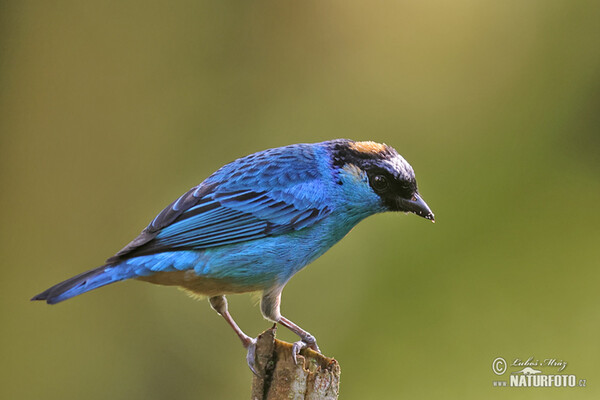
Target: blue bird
257, 221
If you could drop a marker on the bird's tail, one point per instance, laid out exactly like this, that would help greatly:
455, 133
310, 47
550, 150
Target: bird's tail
85, 282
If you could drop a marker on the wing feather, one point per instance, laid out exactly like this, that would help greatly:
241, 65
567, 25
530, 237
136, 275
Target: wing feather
226, 208
222, 218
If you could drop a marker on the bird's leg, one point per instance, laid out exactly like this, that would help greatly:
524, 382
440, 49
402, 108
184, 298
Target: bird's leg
219, 304
307, 340
270, 305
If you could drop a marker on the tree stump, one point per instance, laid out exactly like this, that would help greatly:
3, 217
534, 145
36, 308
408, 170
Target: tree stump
314, 377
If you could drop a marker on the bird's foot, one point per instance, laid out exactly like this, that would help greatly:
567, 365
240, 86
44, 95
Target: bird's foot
250, 345
307, 341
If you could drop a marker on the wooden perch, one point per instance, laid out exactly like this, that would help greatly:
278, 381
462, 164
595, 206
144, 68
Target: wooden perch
314, 377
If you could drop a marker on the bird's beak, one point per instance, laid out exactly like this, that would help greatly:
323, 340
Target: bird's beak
418, 206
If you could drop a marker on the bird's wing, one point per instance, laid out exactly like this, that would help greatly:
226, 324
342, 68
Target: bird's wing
215, 214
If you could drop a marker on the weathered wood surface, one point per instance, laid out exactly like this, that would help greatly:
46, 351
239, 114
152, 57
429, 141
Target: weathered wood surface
314, 377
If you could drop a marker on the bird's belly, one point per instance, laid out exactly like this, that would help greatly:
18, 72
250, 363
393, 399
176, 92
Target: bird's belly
200, 284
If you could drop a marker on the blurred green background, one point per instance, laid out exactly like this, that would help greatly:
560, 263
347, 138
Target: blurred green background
110, 111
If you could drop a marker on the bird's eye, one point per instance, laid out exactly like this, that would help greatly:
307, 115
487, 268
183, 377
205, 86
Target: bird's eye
380, 183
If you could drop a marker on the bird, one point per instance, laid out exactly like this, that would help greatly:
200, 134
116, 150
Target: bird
257, 221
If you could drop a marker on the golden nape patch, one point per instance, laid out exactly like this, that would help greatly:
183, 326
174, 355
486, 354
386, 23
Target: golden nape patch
368, 147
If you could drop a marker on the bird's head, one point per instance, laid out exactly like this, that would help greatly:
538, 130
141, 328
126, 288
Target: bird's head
379, 171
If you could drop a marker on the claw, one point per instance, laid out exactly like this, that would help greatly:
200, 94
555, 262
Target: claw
314, 347
309, 342
251, 356
296, 348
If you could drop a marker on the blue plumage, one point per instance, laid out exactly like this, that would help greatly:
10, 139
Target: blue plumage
257, 221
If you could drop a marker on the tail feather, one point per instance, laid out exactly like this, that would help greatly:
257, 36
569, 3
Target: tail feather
85, 282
